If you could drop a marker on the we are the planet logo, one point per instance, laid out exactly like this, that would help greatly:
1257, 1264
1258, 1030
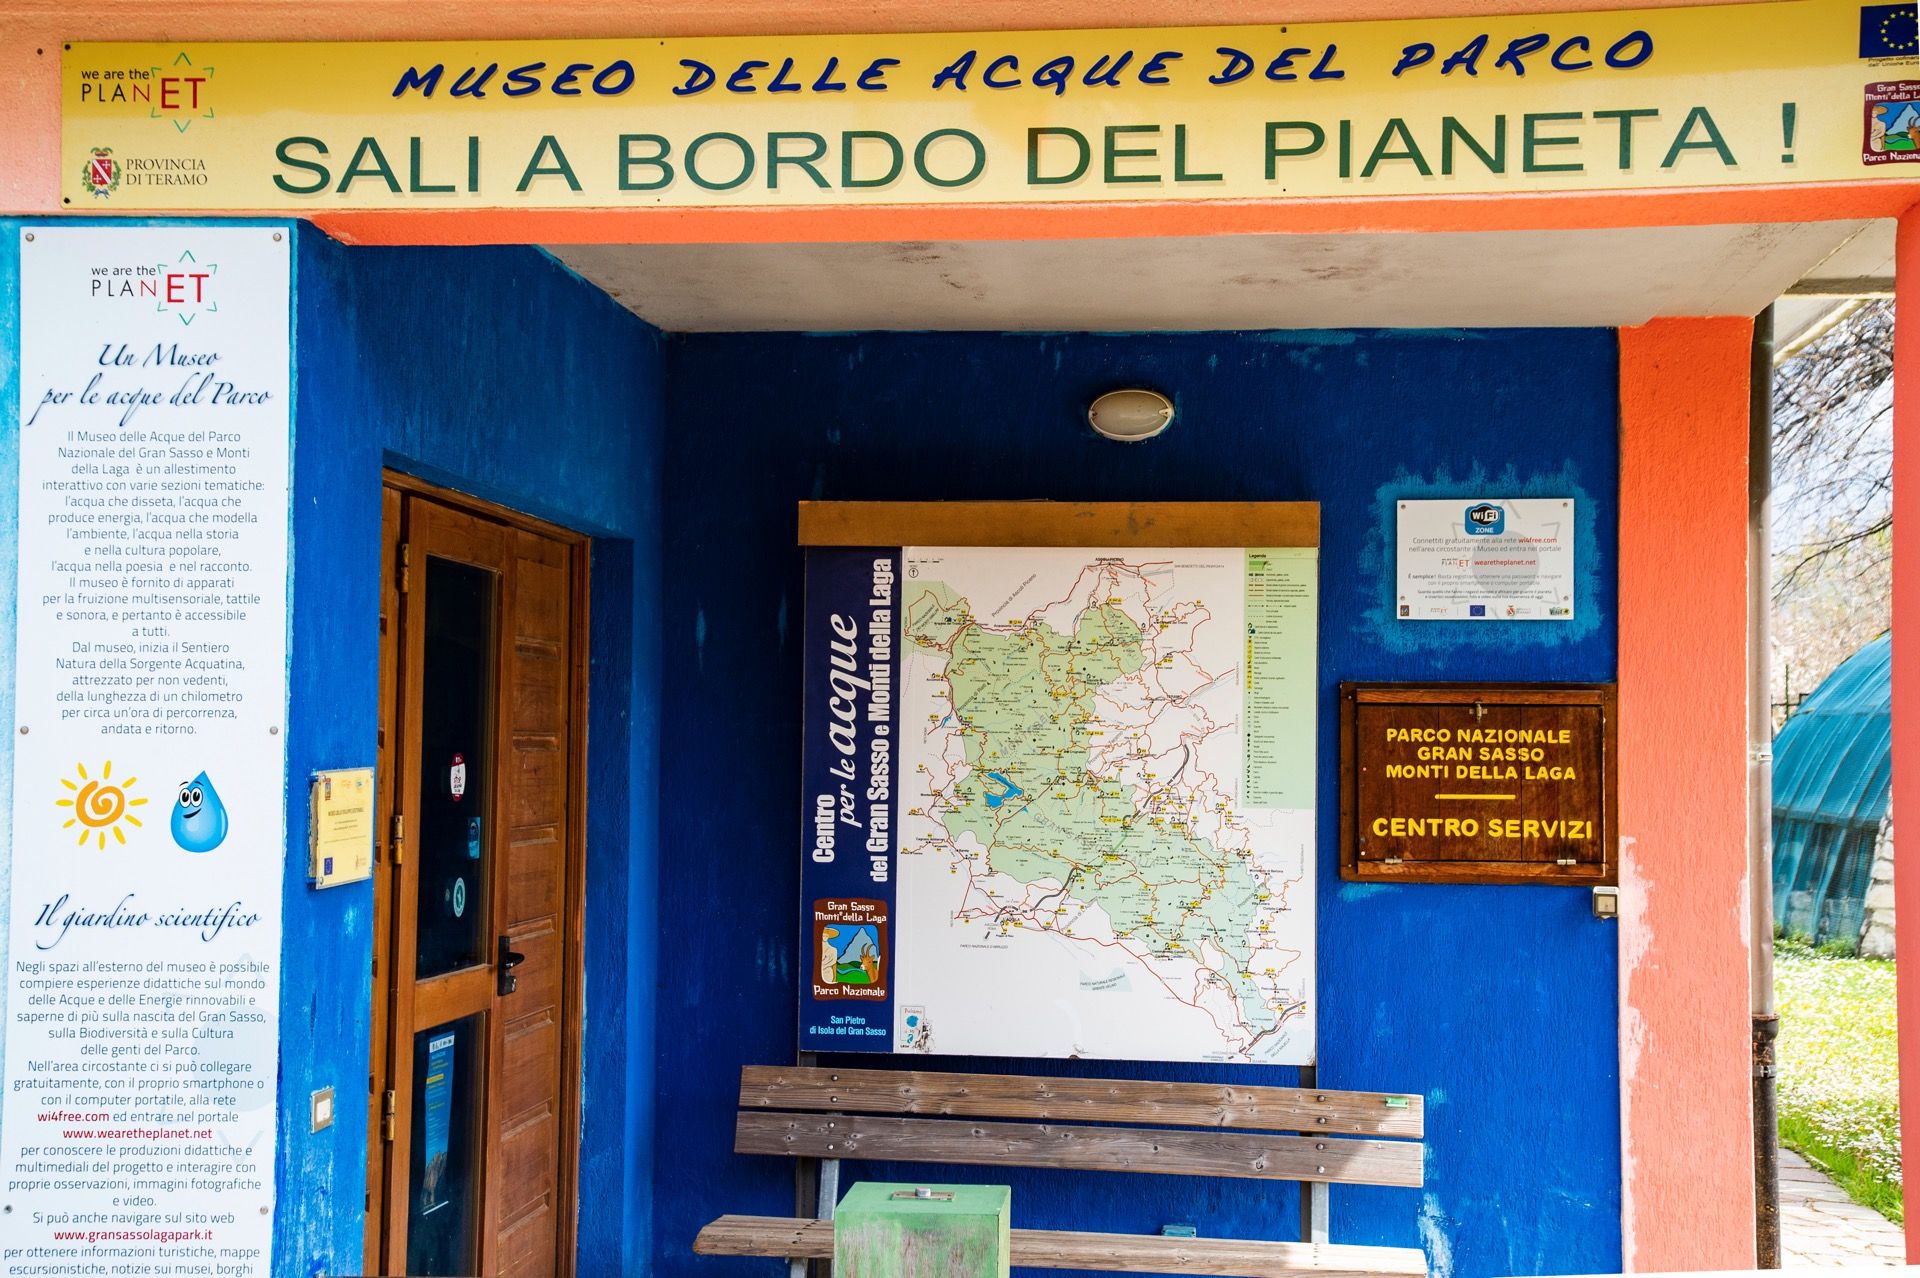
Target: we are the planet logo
100, 805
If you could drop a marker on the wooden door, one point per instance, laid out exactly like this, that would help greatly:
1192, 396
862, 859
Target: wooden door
474, 1083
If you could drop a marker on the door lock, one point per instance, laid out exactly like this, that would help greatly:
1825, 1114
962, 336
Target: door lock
508, 958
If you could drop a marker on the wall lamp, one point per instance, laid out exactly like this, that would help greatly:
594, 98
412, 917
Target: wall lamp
1130, 415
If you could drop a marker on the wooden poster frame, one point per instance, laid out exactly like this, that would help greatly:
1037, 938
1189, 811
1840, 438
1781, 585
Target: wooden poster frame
1237, 524
1100, 526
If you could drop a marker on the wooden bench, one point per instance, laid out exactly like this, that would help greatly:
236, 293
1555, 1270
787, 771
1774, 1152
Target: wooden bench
1316, 1137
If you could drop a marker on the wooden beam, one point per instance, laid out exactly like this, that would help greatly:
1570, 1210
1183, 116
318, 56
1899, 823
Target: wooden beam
1114, 1253
1167, 1151
1255, 524
1844, 286
1095, 1100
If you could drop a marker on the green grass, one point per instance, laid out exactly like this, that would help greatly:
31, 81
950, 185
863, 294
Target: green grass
1839, 1070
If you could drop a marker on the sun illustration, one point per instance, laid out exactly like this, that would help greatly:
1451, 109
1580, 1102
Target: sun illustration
100, 806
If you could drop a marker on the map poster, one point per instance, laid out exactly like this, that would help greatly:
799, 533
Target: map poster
1060, 802
1486, 559
148, 828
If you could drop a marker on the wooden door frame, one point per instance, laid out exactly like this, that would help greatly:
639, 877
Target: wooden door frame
451, 535
397, 486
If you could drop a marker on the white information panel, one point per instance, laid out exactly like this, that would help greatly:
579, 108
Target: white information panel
1486, 559
149, 806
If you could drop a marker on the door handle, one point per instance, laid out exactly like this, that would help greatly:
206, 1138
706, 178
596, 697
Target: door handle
507, 959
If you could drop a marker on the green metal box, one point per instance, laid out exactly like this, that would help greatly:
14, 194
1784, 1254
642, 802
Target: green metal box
922, 1231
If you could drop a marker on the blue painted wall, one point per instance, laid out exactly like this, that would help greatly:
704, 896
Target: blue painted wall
462, 366
1497, 1003
498, 373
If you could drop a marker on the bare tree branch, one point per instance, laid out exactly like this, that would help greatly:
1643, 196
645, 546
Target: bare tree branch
1832, 449
1833, 510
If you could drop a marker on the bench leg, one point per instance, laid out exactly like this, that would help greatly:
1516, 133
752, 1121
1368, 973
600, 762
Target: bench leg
829, 1189
817, 1186
1315, 1196
827, 1198
1315, 1226
806, 1196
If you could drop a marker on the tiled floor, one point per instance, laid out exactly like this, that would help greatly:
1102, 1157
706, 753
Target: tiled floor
1820, 1225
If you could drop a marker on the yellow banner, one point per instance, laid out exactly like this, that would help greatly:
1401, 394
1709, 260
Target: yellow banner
1803, 91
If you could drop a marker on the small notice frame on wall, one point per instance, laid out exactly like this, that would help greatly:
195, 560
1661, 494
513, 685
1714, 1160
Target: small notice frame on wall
1478, 783
340, 827
1485, 559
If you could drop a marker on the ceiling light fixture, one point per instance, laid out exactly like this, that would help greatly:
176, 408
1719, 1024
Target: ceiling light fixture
1130, 415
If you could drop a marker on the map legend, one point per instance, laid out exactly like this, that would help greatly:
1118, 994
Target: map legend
1281, 676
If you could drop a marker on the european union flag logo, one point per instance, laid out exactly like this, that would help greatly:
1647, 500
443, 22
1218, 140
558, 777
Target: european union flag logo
1889, 30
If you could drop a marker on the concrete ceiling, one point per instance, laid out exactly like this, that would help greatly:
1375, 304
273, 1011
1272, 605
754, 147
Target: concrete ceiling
1468, 279
1862, 267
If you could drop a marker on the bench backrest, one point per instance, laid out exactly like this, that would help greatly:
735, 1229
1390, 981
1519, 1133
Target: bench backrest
1083, 1124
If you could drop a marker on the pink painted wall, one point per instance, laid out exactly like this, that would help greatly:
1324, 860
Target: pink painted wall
1906, 688
1686, 1117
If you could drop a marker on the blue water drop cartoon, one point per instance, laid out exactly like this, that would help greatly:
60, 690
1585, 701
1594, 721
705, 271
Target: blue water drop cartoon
199, 818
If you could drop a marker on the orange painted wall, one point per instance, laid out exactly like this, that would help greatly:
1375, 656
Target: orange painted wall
1906, 686
1686, 1116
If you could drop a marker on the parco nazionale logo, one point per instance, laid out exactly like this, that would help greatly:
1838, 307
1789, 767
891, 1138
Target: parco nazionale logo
1892, 123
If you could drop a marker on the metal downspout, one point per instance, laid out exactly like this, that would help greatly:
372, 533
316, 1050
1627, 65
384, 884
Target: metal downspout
1766, 1021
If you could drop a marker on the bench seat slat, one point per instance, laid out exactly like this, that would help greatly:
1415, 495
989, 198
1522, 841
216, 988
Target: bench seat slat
1148, 1254
1081, 1100
1239, 1155
1117, 1253
796, 1238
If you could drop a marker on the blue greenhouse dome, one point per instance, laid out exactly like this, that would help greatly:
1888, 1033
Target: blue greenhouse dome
1832, 770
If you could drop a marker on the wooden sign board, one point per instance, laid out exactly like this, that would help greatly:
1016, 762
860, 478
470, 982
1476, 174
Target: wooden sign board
1478, 783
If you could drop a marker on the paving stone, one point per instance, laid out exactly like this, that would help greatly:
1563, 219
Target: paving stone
1821, 1227
1800, 1169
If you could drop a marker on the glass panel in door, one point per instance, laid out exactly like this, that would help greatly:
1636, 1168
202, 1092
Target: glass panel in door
443, 1200
455, 782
